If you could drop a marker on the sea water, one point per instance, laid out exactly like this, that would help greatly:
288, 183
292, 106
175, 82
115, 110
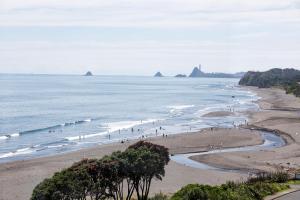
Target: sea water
43, 115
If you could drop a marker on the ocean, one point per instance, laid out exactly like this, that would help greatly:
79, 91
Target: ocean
42, 115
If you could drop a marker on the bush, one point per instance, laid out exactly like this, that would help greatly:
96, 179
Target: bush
292, 88
159, 196
229, 191
272, 177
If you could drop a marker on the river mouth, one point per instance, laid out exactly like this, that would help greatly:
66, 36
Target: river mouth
271, 140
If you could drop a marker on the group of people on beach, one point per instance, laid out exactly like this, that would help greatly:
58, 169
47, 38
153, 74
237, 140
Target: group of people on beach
132, 129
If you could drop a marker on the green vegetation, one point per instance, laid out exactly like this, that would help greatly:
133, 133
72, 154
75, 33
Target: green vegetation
128, 174
293, 88
273, 77
275, 177
159, 196
255, 188
285, 78
229, 191
294, 182
116, 176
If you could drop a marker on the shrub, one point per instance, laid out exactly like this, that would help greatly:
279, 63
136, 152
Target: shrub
276, 177
229, 191
159, 196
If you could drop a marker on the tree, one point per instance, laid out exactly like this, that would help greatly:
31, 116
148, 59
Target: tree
72, 183
109, 177
124, 176
64, 185
142, 166
155, 148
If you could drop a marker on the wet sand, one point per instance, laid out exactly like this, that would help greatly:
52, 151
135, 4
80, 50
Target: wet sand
279, 112
17, 179
219, 114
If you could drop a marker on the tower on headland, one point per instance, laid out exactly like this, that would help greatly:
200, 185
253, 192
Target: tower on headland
200, 68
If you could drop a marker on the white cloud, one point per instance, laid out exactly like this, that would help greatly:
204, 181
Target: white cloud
144, 57
154, 13
231, 35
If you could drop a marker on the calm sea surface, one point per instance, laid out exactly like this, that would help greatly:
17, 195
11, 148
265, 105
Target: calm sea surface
48, 114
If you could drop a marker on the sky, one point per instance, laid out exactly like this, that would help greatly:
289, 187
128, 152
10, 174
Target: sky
141, 37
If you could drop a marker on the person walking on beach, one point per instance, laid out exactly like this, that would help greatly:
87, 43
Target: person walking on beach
156, 132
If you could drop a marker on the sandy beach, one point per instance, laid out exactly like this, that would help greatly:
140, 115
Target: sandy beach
278, 111
22, 176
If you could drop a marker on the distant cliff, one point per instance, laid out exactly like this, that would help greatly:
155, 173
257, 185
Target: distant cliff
273, 77
88, 73
158, 74
198, 73
286, 78
180, 76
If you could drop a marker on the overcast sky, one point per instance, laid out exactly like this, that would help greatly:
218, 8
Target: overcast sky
144, 36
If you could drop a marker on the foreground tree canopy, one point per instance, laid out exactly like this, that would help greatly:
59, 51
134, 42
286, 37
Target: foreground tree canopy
117, 176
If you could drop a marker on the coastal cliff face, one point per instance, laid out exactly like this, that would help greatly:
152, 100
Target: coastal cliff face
89, 74
273, 77
180, 76
158, 74
197, 73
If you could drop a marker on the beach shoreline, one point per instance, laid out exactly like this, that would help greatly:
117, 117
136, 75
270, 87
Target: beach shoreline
23, 176
279, 114
18, 178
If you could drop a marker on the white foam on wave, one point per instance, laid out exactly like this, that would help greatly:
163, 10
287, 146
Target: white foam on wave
76, 122
8, 136
15, 135
23, 151
112, 127
87, 120
3, 137
123, 125
56, 146
115, 126
84, 136
178, 109
210, 109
